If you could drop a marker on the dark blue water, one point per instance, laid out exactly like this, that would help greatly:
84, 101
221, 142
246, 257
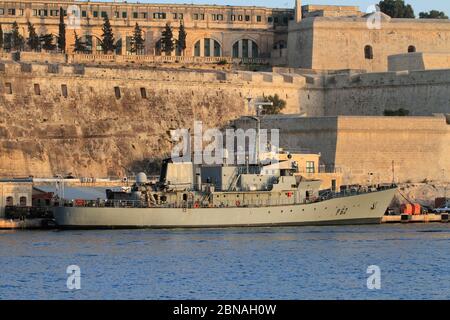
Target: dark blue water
279, 263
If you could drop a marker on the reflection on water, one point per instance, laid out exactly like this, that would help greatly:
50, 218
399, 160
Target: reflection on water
265, 263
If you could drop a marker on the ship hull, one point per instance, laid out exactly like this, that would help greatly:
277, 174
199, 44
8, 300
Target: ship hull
359, 209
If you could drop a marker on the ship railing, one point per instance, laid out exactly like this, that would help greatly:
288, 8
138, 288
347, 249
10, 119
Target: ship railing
354, 191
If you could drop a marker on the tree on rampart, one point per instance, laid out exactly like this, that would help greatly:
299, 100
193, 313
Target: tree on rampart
167, 40
137, 41
79, 46
1, 37
33, 41
277, 106
181, 43
16, 38
107, 42
47, 42
397, 9
62, 31
433, 14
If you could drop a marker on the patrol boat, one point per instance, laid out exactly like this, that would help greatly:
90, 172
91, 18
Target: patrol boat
199, 196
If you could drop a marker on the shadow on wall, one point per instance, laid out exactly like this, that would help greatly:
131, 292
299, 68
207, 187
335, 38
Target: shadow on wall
148, 166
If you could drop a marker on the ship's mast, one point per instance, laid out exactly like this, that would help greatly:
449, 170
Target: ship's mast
258, 107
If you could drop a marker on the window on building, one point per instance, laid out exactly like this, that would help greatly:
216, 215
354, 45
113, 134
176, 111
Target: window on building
276, 20
247, 18
12, 12
84, 14
135, 15
143, 15
23, 201
9, 201
245, 48
220, 17
240, 17
211, 48
2, 11
37, 89
8, 87
95, 14
214, 17
116, 14
124, 14
270, 19
411, 49
21, 12
310, 167
104, 14
159, 15
368, 52
64, 90
117, 92
233, 17
258, 18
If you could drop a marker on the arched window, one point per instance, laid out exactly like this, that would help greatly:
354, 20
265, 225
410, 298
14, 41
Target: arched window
23, 201
368, 52
245, 48
211, 48
9, 201
411, 49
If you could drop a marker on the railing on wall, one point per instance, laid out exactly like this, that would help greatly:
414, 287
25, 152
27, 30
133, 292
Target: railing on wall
80, 58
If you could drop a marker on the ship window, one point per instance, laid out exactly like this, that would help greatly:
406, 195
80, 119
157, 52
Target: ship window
411, 49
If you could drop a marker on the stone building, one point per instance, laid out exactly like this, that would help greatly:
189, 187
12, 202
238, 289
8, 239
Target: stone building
212, 30
13, 193
309, 36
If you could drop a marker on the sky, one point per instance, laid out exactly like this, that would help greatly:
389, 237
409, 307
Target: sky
418, 5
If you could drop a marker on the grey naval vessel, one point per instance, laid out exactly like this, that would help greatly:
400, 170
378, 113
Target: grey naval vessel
192, 196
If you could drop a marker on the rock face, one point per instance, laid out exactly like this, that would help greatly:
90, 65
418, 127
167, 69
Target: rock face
421, 193
107, 121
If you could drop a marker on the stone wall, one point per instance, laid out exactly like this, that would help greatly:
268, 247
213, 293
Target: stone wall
334, 43
98, 121
420, 92
364, 148
419, 61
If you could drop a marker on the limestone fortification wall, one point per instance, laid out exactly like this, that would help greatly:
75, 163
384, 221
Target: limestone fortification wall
103, 126
420, 92
357, 146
